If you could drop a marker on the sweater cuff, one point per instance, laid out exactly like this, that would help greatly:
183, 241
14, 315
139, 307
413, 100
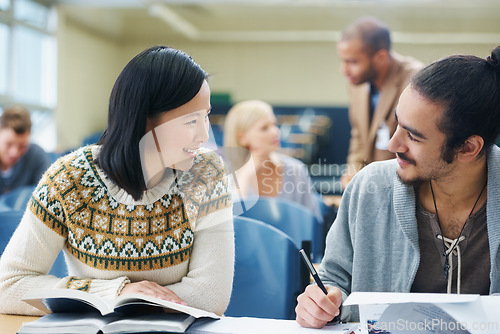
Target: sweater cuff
109, 289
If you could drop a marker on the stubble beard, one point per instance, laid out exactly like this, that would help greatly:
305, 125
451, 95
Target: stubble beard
438, 172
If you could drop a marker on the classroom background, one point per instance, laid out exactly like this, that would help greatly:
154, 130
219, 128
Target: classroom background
60, 59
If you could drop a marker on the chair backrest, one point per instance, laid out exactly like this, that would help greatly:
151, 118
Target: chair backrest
17, 198
287, 216
92, 138
267, 272
53, 156
59, 267
329, 213
9, 220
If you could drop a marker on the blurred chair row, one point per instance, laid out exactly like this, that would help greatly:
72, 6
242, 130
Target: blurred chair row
9, 220
269, 274
16, 199
295, 220
88, 140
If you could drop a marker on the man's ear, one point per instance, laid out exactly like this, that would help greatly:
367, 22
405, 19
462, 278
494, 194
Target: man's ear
381, 56
471, 148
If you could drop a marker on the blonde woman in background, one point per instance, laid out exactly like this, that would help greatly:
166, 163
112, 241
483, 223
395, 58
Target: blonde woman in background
260, 170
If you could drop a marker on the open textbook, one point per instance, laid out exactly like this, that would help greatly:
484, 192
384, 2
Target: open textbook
74, 311
395, 313
93, 323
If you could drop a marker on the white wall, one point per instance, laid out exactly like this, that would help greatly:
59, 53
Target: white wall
87, 69
282, 73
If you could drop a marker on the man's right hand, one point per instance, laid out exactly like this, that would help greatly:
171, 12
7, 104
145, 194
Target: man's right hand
315, 309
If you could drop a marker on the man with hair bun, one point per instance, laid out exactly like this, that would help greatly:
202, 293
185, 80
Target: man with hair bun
429, 220
21, 163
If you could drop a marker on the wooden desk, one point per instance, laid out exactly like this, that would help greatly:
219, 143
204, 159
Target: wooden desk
10, 324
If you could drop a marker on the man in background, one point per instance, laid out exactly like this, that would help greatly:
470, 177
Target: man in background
21, 162
377, 76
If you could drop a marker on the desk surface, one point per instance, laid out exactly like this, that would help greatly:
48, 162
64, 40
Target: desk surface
11, 323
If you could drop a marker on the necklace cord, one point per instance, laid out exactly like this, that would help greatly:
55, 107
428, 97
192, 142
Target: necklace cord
446, 266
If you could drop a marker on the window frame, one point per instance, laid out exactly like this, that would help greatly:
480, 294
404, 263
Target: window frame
8, 97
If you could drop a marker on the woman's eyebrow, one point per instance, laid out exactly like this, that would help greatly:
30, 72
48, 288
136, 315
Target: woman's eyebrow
197, 113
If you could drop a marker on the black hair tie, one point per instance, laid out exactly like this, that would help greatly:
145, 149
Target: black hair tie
493, 61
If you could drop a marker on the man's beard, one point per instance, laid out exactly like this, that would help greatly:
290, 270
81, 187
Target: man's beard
415, 182
434, 174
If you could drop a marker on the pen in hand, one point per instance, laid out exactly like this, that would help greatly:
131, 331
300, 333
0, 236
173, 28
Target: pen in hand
313, 271
314, 274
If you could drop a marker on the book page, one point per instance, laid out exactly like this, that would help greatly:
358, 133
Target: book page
476, 316
66, 300
418, 318
67, 323
75, 301
427, 312
491, 307
129, 300
158, 322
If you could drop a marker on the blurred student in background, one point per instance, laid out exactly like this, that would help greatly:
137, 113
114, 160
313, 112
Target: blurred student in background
377, 76
147, 210
21, 163
251, 143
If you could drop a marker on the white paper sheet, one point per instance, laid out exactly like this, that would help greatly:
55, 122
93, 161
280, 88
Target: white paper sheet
426, 313
244, 325
364, 298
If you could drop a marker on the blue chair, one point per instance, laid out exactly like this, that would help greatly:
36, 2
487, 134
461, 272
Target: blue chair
329, 214
53, 156
8, 224
9, 220
267, 272
92, 138
17, 199
289, 217
59, 267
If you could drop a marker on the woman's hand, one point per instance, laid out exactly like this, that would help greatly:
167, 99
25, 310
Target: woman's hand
152, 289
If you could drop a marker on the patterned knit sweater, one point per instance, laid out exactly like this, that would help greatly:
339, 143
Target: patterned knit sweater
179, 234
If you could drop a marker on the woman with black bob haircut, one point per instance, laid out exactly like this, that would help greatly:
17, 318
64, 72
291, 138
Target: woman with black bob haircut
146, 210
156, 80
